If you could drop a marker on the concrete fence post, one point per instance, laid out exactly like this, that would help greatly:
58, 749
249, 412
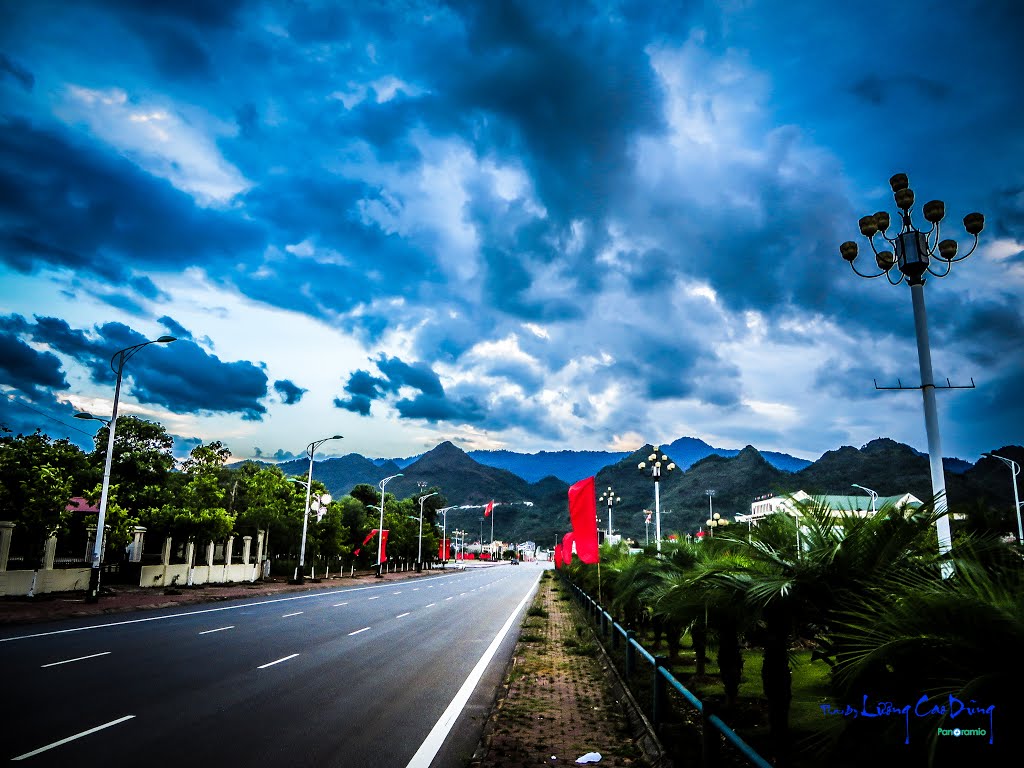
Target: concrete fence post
165, 553
6, 531
138, 539
49, 553
246, 549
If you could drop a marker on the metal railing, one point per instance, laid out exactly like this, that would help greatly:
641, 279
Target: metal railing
661, 682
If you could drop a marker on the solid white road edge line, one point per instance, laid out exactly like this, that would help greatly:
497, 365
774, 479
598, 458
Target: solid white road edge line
432, 744
80, 658
272, 663
35, 752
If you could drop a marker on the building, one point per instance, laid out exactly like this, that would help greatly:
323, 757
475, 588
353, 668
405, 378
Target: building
860, 506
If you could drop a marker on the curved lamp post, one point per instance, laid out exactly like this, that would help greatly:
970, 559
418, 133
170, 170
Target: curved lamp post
1015, 470
380, 529
874, 496
300, 576
117, 366
444, 531
656, 467
419, 558
609, 497
915, 250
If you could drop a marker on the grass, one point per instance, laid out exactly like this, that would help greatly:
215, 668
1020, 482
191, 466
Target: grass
538, 610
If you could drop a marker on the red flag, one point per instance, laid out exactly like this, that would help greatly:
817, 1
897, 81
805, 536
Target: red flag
558, 555
383, 545
444, 551
567, 548
489, 509
583, 511
366, 541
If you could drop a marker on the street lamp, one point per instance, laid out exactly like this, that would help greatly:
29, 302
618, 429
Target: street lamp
419, 558
914, 251
610, 497
1015, 470
444, 533
711, 509
716, 521
656, 466
300, 575
380, 530
117, 366
874, 496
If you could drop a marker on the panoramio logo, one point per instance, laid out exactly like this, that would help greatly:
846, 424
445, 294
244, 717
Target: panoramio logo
962, 732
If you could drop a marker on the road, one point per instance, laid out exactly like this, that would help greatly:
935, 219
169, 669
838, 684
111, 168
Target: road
375, 675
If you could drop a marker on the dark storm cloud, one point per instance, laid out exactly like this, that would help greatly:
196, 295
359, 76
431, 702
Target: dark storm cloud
356, 403
181, 376
51, 416
174, 328
437, 407
987, 331
417, 375
9, 68
120, 215
877, 90
27, 369
289, 392
194, 12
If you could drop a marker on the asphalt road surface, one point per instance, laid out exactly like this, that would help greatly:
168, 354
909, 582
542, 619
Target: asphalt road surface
376, 675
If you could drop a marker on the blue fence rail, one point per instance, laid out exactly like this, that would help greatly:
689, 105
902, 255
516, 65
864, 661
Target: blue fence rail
662, 680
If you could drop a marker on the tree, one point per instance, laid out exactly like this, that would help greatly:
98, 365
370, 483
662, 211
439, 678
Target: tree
141, 464
36, 483
198, 512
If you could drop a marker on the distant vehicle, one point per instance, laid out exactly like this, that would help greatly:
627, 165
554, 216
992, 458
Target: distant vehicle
514, 561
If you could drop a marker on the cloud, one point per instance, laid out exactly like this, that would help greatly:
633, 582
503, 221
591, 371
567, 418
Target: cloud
180, 376
9, 68
174, 328
27, 369
289, 392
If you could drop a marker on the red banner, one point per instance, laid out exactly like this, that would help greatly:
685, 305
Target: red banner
444, 552
383, 545
489, 509
567, 548
558, 555
366, 541
583, 511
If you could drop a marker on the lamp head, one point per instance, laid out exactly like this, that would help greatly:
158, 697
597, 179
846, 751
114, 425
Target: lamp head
641, 465
947, 250
899, 181
974, 223
848, 250
868, 226
885, 260
904, 199
336, 437
882, 220
166, 339
934, 211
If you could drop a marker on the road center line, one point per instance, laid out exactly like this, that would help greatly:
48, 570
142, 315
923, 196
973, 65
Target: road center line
272, 663
358, 631
431, 605
432, 744
338, 605
218, 629
286, 615
35, 752
402, 615
448, 598
80, 658
376, 597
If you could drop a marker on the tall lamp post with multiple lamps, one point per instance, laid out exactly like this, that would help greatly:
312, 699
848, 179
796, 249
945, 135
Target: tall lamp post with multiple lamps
716, 521
610, 497
914, 251
117, 362
657, 464
300, 573
380, 530
1014, 470
419, 557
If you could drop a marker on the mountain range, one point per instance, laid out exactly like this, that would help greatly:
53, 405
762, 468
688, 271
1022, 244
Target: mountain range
535, 507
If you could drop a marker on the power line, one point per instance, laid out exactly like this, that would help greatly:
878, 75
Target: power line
13, 399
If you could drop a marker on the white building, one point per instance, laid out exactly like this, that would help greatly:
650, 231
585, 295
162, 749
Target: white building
838, 506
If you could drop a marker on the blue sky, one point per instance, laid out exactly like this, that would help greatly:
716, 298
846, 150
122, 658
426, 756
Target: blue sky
529, 226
